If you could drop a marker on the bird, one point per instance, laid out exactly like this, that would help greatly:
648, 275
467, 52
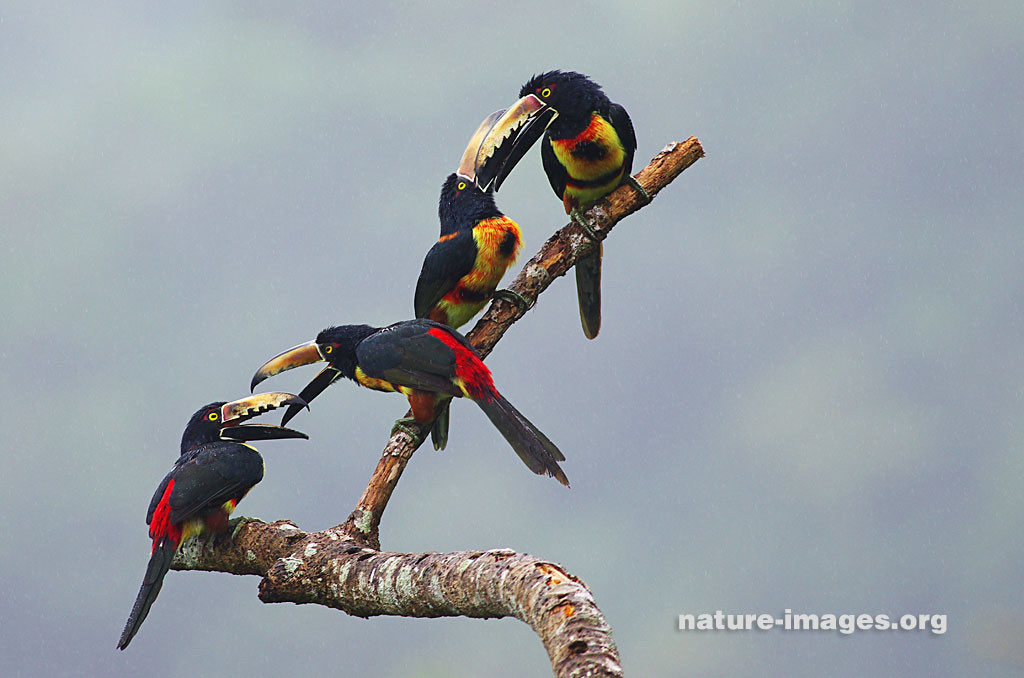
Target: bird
476, 246
587, 153
214, 472
425, 361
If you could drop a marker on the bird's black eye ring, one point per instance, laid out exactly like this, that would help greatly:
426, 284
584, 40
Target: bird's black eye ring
462, 185
328, 348
546, 92
212, 416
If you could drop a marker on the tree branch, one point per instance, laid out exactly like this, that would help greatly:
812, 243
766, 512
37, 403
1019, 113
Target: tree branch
342, 567
554, 259
330, 568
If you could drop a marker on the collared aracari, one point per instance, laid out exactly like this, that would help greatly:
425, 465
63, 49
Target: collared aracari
587, 153
215, 470
425, 361
477, 244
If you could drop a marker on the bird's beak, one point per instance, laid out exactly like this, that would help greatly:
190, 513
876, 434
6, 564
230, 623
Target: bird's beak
303, 354
325, 378
474, 149
235, 413
511, 135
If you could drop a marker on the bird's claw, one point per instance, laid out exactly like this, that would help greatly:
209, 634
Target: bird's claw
644, 195
514, 298
577, 216
403, 425
240, 522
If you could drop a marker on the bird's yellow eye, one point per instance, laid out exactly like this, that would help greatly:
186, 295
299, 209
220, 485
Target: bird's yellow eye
212, 416
462, 185
328, 348
546, 92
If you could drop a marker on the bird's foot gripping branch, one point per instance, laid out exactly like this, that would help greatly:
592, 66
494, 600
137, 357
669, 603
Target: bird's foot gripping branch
333, 567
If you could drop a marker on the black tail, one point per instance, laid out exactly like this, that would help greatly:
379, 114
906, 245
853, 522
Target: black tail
439, 431
532, 446
159, 563
588, 291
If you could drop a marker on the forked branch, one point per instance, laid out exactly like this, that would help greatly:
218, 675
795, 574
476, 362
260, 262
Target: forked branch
554, 259
342, 567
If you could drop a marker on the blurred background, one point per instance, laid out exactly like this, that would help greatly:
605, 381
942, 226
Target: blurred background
806, 394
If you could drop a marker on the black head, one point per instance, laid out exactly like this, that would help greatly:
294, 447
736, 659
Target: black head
337, 346
556, 104
204, 426
462, 204
572, 94
226, 420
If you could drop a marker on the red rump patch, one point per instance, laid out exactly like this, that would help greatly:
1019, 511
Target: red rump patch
475, 376
216, 521
161, 525
422, 404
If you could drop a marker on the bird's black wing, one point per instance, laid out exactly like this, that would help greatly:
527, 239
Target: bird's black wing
557, 174
627, 135
445, 263
215, 473
407, 354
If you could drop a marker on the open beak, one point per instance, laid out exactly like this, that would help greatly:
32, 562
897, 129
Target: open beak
235, 413
511, 135
325, 378
303, 354
474, 149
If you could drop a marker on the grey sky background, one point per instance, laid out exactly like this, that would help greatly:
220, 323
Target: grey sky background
807, 391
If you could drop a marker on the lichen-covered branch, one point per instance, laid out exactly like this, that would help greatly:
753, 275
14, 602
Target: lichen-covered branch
331, 568
554, 259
